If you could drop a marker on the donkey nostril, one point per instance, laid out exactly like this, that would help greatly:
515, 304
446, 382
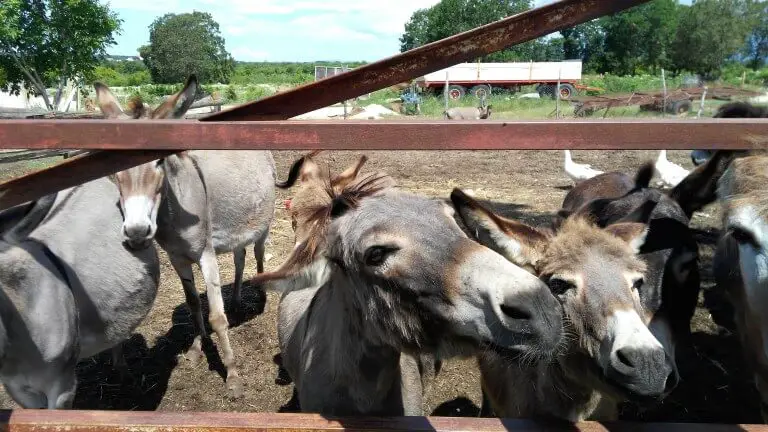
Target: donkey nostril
149, 230
671, 383
515, 312
125, 231
624, 359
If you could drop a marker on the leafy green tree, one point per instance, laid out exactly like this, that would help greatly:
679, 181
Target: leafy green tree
756, 49
46, 42
182, 44
711, 32
450, 17
586, 42
640, 38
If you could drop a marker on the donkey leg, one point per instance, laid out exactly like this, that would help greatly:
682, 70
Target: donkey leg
184, 270
218, 319
259, 249
236, 300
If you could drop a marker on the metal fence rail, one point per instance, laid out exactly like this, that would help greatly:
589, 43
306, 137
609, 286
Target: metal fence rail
136, 421
143, 141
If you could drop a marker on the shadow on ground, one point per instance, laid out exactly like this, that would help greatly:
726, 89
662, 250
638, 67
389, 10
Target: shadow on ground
102, 387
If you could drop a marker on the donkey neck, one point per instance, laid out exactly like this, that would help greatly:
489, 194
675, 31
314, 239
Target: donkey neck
184, 196
365, 373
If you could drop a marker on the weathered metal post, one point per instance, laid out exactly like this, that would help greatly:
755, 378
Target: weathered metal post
664, 85
445, 91
701, 105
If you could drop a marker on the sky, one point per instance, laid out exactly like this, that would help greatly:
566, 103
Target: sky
284, 30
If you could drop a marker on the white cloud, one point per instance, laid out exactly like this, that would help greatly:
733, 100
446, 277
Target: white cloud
248, 54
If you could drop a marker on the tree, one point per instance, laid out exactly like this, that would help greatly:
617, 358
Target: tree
640, 38
586, 42
711, 32
184, 44
450, 17
47, 42
756, 49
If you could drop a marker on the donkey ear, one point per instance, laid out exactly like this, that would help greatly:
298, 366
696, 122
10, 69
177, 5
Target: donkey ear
178, 105
107, 101
641, 213
349, 174
310, 171
517, 242
631, 232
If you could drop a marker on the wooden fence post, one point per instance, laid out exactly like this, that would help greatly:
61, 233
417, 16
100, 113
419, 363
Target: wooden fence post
445, 91
701, 105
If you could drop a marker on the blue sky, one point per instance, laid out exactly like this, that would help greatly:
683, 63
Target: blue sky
284, 30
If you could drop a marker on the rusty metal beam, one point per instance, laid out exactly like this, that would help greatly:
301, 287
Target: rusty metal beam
71, 173
588, 134
415, 63
137, 421
166, 137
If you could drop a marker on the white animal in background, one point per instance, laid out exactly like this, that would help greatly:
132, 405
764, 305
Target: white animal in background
670, 173
577, 171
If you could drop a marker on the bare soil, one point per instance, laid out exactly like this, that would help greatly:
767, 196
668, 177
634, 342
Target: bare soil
526, 185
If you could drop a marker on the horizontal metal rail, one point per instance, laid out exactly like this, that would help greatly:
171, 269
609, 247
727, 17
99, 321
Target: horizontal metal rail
136, 421
166, 137
178, 135
432, 57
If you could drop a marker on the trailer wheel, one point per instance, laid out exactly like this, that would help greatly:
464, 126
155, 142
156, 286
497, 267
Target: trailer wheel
679, 107
456, 92
546, 90
481, 91
566, 91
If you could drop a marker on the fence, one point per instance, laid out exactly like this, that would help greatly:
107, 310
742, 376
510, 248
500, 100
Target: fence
260, 125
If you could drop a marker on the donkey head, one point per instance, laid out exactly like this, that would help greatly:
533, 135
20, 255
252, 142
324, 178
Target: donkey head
411, 279
141, 187
596, 274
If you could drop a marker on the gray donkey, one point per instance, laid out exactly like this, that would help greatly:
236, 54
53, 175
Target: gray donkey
610, 354
68, 290
396, 275
198, 204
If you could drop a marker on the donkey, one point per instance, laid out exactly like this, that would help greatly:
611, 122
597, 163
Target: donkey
670, 252
740, 263
397, 275
609, 352
68, 290
468, 113
312, 192
196, 205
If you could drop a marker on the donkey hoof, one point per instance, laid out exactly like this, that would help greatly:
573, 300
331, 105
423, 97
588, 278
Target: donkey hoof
234, 387
193, 356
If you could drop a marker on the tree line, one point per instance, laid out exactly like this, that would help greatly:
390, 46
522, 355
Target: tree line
44, 43
699, 38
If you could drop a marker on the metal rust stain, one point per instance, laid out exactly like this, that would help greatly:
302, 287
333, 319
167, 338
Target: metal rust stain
428, 58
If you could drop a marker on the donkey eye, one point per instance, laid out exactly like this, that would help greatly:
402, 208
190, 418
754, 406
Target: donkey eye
743, 236
637, 284
376, 255
560, 286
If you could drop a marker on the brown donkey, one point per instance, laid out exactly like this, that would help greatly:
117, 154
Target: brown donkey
608, 354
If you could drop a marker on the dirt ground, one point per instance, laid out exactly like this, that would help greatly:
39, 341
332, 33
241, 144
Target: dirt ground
527, 185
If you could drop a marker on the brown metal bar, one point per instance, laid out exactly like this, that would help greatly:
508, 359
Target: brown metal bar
415, 63
71, 173
121, 421
586, 134
166, 137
